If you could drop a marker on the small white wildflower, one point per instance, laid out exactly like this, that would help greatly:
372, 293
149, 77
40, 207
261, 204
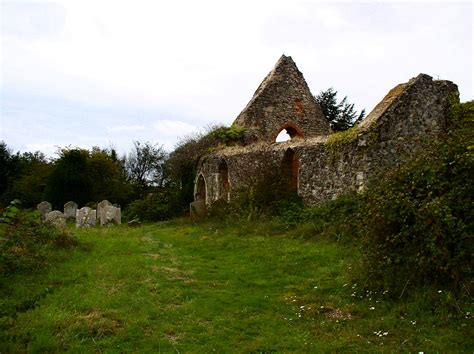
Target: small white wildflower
440, 291
385, 333
302, 307
344, 285
372, 308
315, 287
322, 307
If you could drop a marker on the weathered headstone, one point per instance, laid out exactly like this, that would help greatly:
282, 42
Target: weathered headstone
44, 208
56, 218
100, 206
70, 209
197, 209
86, 217
110, 215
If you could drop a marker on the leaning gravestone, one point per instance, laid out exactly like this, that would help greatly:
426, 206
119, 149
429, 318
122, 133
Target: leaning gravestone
56, 218
70, 209
85, 217
100, 206
197, 209
44, 208
110, 215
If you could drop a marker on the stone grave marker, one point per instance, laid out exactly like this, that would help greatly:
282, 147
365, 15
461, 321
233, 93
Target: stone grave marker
110, 215
100, 207
197, 209
56, 218
70, 209
44, 208
86, 217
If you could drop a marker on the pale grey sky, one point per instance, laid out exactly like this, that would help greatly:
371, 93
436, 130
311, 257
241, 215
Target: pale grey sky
98, 72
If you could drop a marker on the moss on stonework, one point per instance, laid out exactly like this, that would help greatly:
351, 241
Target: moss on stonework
337, 141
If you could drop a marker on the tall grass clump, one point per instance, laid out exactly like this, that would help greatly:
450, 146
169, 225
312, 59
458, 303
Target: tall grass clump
27, 244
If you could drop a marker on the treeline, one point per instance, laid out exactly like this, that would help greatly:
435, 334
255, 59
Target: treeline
147, 182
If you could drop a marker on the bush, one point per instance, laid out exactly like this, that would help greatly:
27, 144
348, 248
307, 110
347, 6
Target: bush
26, 244
418, 220
336, 219
154, 207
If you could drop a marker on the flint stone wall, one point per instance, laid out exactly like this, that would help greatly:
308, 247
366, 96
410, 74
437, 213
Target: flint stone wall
409, 115
282, 100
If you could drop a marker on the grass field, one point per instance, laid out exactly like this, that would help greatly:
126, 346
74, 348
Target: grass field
182, 287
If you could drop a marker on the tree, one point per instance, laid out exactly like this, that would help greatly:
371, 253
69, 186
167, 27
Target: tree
30, 183
70, 179
144, 166
108, 175
342, 115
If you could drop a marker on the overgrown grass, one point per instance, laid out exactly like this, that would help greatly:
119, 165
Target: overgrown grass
253, 287
26, 244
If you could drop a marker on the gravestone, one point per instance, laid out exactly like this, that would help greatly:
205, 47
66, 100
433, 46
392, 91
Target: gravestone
44, 208
110, 215
56, 218
70, 209
100, 206
198, 209
86, 217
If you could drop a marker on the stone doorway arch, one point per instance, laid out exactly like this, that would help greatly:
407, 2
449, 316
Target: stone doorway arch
223, 173
290, 168
200, 189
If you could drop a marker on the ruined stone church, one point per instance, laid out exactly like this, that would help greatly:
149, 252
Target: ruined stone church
320, 165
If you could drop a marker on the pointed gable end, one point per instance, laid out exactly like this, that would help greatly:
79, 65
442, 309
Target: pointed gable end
283, 101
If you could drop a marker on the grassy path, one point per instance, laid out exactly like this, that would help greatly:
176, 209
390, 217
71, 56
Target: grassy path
182, 287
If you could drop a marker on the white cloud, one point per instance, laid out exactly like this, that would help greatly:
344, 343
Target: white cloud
126, 128
175, 128
201, 61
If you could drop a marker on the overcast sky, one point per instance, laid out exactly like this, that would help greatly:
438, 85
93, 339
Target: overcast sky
95, 73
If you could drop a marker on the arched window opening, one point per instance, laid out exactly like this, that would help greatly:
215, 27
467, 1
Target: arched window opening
223, 181
283, 136
288, 133
290, 166
200, 192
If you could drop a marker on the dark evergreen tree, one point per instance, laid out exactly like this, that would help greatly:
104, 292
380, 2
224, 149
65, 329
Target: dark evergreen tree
70, 179
342, 115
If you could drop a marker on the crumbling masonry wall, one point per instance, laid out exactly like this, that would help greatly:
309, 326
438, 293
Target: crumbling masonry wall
330, 165
283, 100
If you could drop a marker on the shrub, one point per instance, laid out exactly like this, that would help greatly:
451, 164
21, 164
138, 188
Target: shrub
155, 207
418, 219
26, 244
